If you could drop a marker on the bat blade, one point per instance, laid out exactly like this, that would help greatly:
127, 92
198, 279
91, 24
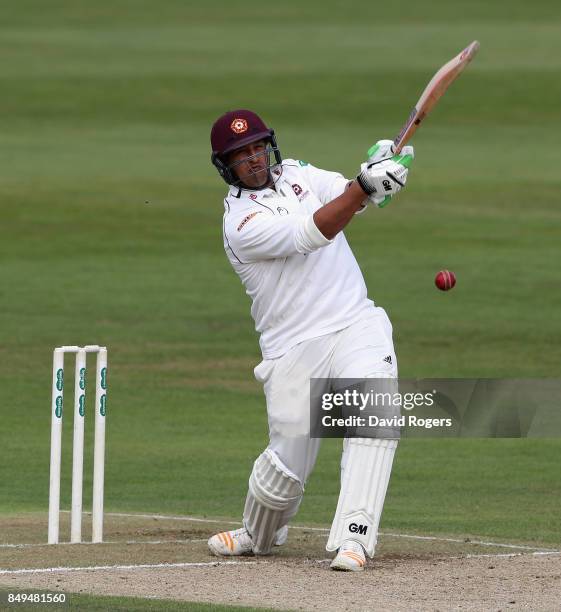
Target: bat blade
433, 92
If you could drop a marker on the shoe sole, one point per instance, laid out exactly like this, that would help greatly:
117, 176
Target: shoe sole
218, 553
341, 566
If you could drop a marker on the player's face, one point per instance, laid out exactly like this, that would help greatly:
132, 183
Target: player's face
251, 164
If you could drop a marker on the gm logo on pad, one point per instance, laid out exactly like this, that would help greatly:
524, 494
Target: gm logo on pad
360, 529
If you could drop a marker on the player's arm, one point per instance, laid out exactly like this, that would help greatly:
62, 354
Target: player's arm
334, 216
377, 181
262, 236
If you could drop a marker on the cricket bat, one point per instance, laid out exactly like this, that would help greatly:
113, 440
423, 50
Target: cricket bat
433, 92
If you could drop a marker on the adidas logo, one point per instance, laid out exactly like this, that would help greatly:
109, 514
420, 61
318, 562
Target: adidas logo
388, 359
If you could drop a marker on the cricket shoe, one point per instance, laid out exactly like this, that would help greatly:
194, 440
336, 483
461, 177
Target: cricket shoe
238, 542
350, 557
281, 536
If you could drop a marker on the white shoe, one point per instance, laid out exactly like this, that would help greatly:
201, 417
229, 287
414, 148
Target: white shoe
231, 543
238, 542
281, 536
350, 557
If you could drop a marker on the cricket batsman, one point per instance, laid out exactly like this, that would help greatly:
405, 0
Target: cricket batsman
283, 234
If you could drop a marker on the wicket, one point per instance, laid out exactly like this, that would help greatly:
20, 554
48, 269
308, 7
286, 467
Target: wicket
78, 442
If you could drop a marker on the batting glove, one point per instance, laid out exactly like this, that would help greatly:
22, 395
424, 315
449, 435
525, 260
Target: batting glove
385, 187
380, 151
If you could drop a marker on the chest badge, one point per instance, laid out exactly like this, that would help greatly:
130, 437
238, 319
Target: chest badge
300, 193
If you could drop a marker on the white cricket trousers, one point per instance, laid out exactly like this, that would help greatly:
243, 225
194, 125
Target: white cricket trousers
358, 351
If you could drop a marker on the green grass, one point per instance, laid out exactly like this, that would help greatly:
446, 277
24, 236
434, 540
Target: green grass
111, 233
97, 603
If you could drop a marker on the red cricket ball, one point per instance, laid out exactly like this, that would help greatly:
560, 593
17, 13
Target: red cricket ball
445, 280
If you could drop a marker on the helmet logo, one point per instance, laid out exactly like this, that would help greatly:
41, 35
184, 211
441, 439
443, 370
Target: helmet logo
239, 126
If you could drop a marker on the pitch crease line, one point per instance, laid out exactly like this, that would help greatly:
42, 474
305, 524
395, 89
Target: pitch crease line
107, 542
474, 542
325, 530
537, 553
54, 570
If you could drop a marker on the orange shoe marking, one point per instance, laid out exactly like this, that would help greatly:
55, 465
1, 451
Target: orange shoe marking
354, 556
230, 541
223, 539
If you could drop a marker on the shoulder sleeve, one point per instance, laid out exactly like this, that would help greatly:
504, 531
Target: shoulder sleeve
260, 235
326, 185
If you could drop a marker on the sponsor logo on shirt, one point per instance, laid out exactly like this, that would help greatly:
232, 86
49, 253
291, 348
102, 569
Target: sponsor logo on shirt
247, 219
282, 210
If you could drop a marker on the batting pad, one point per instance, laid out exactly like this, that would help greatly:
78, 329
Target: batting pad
273, 492
368, 465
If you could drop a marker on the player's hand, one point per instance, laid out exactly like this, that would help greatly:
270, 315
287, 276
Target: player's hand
383, 149
384, 174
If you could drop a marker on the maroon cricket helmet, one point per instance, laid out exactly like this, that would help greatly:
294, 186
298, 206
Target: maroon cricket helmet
236, 129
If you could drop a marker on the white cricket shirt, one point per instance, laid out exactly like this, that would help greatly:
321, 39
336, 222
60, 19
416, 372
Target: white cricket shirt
301, 284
